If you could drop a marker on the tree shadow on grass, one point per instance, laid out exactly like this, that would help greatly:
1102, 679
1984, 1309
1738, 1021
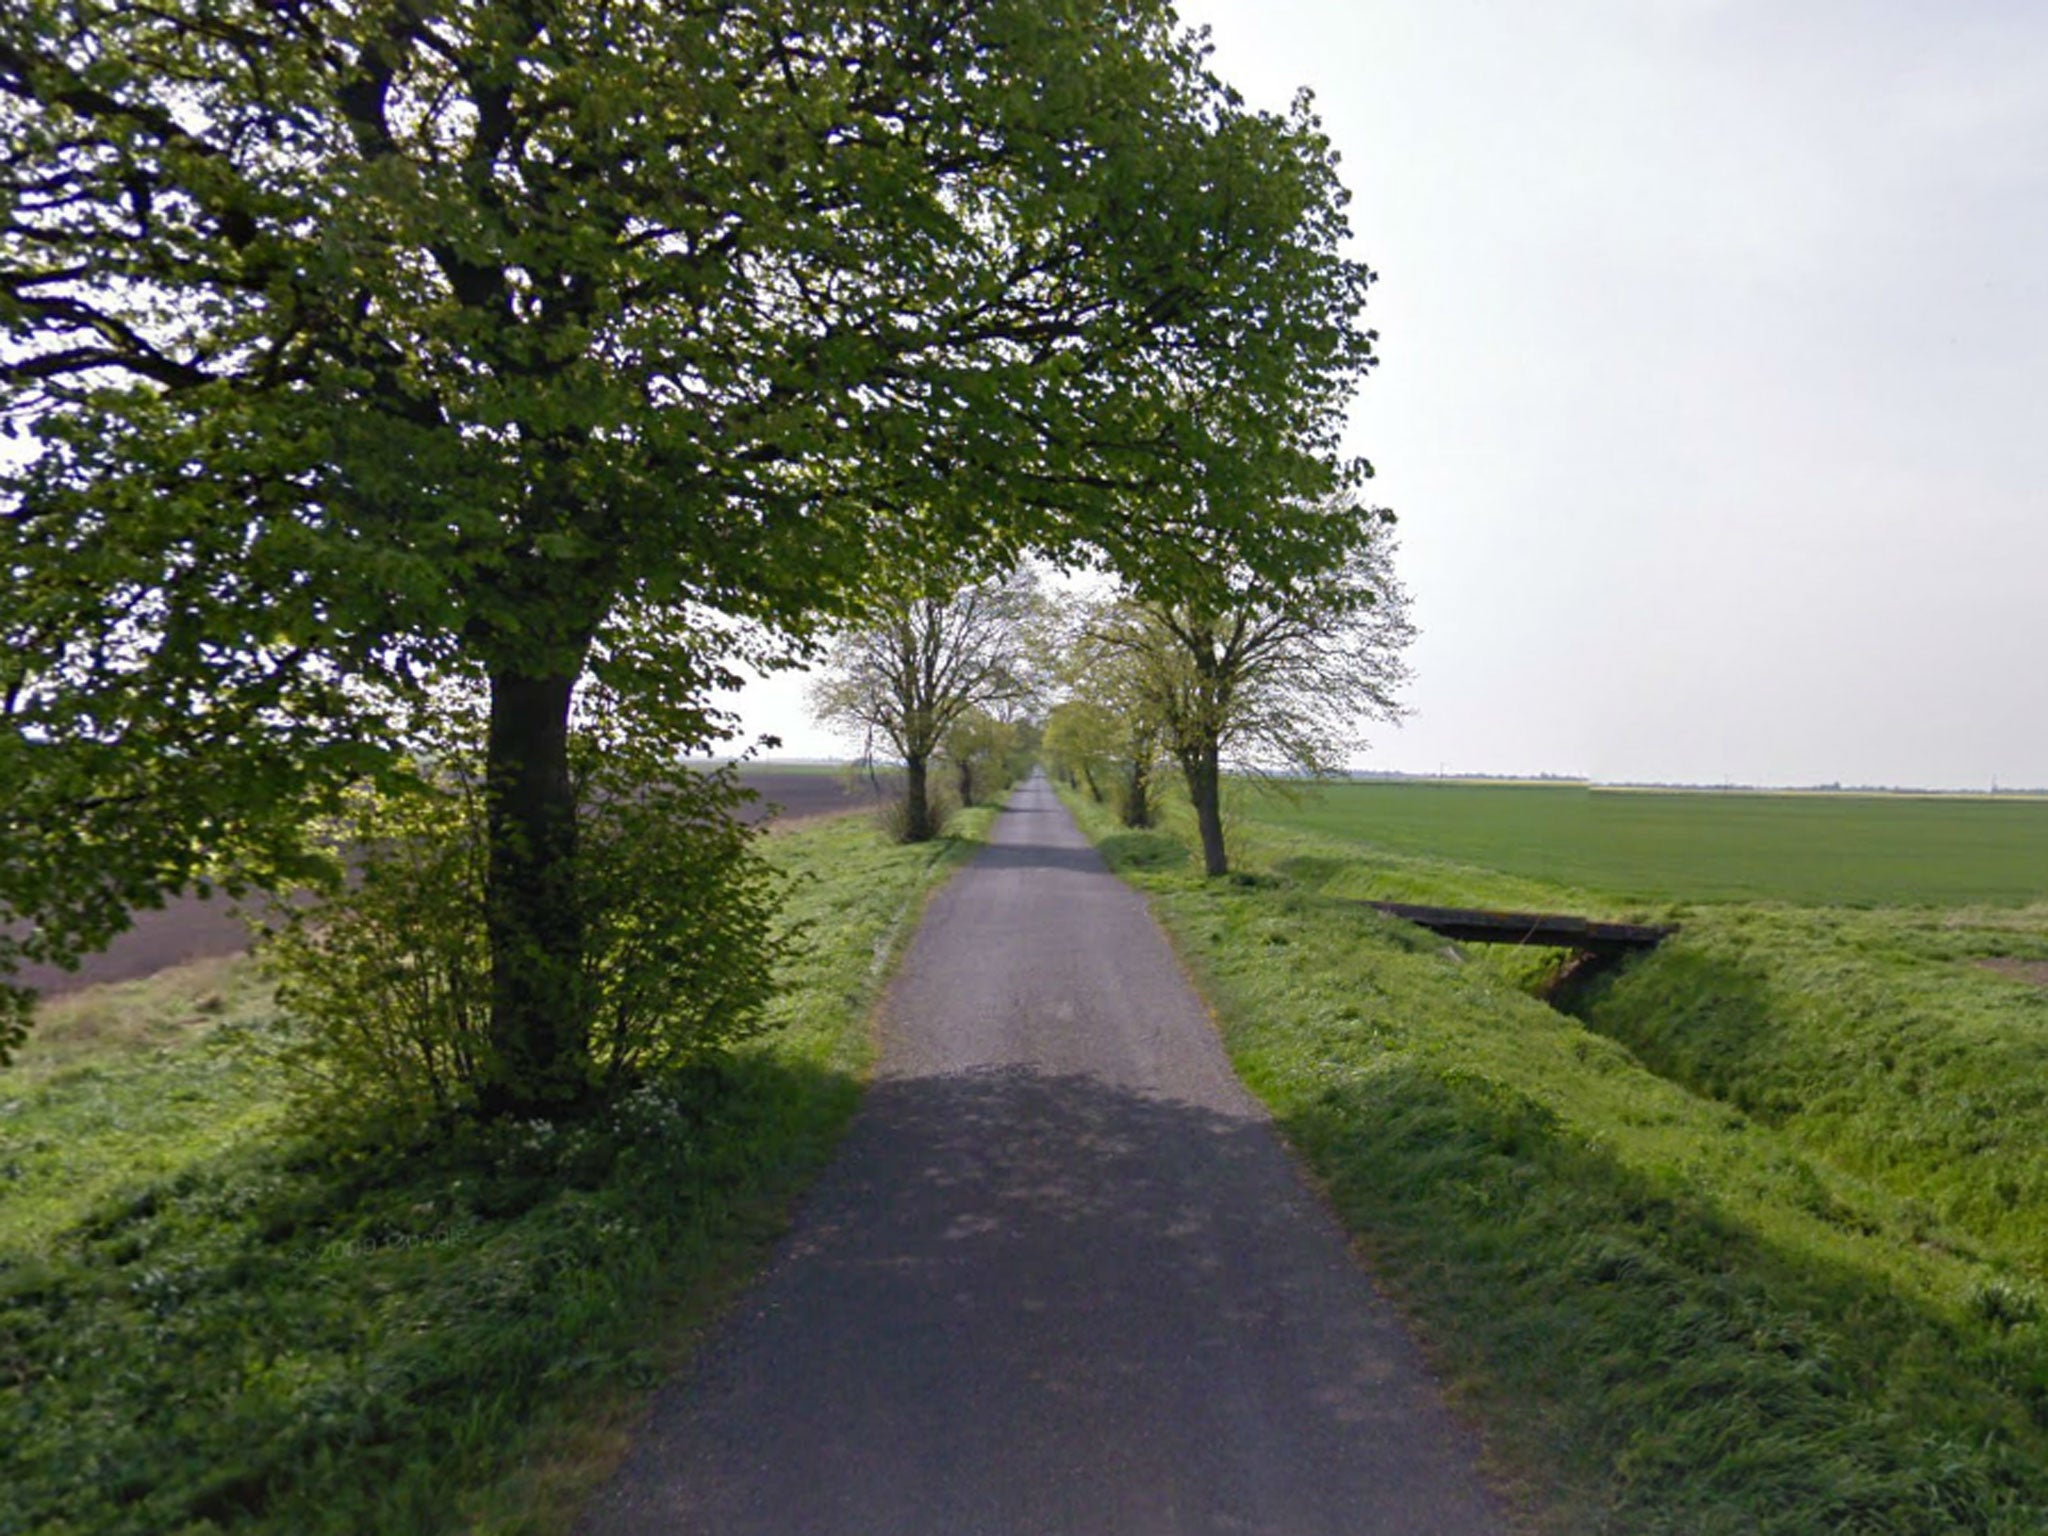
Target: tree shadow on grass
282, 1337
1145, 851
1312, 872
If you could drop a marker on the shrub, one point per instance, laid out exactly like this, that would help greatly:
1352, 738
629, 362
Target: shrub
683, 942
387, 977
893, 814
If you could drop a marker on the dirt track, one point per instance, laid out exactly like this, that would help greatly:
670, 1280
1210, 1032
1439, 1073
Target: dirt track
1062, 1278
191, 929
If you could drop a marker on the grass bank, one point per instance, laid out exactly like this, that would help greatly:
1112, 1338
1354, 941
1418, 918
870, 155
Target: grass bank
207, 1324
1671, 1315
1878, 1041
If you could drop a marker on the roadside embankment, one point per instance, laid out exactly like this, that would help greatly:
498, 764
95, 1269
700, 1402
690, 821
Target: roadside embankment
1672, 1315
211, 1322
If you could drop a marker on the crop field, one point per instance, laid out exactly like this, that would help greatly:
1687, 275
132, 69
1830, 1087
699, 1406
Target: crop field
1700, 846
187, 928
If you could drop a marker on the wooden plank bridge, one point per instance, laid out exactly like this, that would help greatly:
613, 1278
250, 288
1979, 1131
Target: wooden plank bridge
1557, 930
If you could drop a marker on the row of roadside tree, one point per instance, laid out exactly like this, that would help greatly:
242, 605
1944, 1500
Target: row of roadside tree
418, 409
1261, 677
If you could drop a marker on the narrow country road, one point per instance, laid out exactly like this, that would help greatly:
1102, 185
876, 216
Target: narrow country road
1061, 1279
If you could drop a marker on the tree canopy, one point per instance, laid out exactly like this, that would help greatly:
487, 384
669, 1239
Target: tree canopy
1272, 678
919, 669
356, 344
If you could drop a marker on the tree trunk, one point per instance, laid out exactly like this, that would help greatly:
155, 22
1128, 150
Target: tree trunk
917, 805
539, 1013
1205, 788
1094, 789
966, 782
1138, 795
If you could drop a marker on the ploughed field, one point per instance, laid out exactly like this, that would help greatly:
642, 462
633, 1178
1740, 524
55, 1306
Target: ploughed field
188, 928
1749, 1235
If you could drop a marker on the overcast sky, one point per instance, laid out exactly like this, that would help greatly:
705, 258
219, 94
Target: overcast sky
1714, 393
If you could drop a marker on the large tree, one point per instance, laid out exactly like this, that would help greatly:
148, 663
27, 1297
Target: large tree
918, 670
1271, 677
364, 342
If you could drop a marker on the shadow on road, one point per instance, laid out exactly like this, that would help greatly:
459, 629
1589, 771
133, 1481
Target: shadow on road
1031, 1302
1028, 837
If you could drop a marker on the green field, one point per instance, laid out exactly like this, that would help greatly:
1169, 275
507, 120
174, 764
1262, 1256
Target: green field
1813, 849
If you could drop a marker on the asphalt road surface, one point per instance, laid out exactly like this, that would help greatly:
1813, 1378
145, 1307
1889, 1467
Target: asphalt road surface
1062, 1278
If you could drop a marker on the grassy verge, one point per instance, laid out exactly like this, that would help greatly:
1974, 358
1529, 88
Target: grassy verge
207, 1326
1873, 1040
1671, 1315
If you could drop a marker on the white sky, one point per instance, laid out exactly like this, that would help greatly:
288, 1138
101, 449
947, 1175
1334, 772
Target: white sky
1714, 398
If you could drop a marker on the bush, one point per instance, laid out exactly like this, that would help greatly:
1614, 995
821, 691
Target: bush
387, 978
683, 942
893, 814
